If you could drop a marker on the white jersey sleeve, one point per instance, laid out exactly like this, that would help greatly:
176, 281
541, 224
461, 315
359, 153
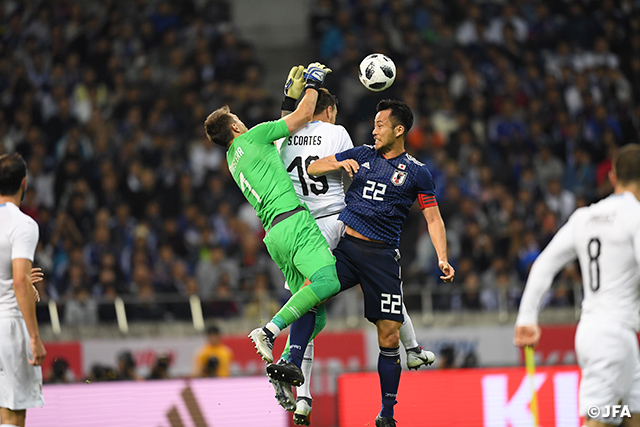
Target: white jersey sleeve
18, 239
558, 253
324, 195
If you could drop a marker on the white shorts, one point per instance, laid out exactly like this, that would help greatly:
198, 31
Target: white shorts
610, 361
332, 229
20, 383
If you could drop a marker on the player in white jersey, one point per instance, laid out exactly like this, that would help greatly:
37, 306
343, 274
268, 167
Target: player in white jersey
21, 349
605, 238
324, 196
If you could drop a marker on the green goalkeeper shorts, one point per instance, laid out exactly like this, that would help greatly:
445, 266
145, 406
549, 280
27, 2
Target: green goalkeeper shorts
299, 248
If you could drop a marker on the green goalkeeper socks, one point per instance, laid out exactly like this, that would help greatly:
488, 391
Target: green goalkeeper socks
298, 304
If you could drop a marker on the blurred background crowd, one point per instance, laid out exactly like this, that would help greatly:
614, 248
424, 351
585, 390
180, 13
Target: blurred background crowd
518, 108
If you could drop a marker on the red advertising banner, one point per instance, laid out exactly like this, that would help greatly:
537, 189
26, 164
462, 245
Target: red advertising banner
465, 397
70, 351
556, 346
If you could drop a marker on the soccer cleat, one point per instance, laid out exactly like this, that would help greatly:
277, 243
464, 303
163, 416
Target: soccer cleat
287, 372
303, 409
284, 395
385, 422
418, 356
263, 344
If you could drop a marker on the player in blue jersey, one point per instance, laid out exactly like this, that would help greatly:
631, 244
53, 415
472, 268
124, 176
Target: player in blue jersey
386, 183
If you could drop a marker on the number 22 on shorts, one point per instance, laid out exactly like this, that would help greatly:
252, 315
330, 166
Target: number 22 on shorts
391, 303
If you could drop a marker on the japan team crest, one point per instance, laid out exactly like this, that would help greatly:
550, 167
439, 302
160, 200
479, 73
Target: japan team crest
398, 177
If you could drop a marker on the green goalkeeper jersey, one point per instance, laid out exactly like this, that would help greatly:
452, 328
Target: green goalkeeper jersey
256, 166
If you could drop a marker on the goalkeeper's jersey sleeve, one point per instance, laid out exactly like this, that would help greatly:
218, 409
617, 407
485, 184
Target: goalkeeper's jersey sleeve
255, 164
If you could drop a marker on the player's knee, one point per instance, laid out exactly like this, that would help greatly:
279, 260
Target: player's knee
325, 283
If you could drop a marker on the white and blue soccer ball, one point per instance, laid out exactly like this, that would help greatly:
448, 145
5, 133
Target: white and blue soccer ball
377, 72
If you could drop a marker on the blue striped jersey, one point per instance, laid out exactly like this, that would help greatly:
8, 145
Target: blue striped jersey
383, 191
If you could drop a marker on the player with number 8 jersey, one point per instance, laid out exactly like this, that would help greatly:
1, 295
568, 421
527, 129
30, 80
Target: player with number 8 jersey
605, 238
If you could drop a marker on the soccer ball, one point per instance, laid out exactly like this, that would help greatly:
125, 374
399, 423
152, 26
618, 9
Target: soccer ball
377, 72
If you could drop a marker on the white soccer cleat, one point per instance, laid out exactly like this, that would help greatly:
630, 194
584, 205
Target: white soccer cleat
302, 411
263, 344
284, 395
418, 357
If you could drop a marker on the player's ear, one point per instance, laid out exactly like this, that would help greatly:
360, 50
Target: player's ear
399, 130
612, 178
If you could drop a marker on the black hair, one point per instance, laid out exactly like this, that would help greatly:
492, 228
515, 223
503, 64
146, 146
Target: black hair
13, 169
400, 113
211, 330
325, 99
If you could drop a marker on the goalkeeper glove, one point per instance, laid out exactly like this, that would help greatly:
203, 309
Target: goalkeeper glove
314, 75
293, 88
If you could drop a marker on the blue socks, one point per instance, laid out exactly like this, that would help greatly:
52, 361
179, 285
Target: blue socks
299, 336
389, 370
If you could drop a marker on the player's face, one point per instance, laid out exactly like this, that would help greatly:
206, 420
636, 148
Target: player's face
241, 127
383, 130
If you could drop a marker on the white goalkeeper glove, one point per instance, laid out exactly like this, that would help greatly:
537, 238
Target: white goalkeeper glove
315, 74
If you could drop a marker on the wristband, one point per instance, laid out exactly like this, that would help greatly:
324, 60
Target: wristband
288, 104
312, 84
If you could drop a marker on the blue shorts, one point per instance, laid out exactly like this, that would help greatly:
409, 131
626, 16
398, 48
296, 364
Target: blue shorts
375, 266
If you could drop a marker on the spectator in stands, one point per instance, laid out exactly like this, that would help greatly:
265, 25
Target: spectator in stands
160, 369
214, 358
59, 373
126, 368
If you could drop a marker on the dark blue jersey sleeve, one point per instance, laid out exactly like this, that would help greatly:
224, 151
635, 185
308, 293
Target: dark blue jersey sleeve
352, 153
426, 188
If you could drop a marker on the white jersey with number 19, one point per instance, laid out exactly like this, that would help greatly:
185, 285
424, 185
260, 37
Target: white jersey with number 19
605, 238
324, 195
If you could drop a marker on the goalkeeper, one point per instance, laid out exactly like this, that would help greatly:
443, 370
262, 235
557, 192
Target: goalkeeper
292, 238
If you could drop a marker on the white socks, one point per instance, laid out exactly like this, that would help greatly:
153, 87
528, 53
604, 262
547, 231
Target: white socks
407, 333
307, 363
272, 327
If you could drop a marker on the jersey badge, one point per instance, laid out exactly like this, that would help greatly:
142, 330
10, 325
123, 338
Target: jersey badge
402, 166
366, 165
398, 177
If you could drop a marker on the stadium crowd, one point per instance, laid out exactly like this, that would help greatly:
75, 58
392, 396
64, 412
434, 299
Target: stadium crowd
518, 108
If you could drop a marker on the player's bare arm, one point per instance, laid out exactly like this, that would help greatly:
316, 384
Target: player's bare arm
438, 234
330, 164
25, 296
